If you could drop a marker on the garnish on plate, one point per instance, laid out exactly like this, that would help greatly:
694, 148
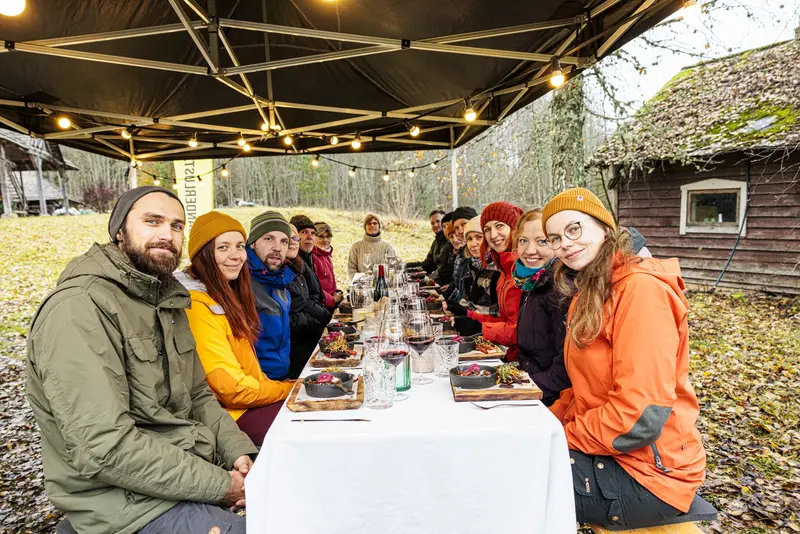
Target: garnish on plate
509, 374
474, 370
336, 346
484, 346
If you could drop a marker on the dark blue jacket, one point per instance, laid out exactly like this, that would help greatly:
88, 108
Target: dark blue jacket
272, 302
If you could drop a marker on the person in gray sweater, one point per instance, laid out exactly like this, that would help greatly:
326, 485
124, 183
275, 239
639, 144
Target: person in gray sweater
369, 250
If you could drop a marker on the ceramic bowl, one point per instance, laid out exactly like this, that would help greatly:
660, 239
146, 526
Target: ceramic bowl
473, 382
328, 391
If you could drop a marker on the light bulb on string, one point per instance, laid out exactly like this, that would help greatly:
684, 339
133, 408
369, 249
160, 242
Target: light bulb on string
352, 172
557, 78
200, 179
469, 113
386, 176
433, 165
133, 162
12, 8
139, 163
356, 144
156, 181
287, 140
246, 147
64, 122
413, 130
334, 140
241, 140
315, 162
175, 185
225, 172
193, 141
691, 10
275, 127
411, 173
126, 133
264, 126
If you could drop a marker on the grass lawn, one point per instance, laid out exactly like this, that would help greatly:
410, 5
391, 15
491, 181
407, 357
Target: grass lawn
745, 360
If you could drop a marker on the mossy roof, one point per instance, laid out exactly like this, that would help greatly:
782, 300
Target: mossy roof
746, 101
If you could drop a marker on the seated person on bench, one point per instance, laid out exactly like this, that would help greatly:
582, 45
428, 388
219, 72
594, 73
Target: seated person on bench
629, 417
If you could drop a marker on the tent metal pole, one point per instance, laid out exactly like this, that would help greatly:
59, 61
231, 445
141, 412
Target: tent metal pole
211, 113
14, 125
37, 162
107, 58
113, 147
199, 10
110, 36
62, 181
606, 46
78, 133
454, 177
351, 120
8, 209
307, 60
245, 81
510, 30
196, 38
213, 127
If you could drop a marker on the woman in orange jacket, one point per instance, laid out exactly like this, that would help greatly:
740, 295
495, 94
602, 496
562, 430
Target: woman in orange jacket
498, 221
629, 417
225, 324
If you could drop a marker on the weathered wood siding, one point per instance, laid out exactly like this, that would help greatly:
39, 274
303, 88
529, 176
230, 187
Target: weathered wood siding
767, 258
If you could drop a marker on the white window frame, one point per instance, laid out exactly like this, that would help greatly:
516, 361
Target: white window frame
710, 185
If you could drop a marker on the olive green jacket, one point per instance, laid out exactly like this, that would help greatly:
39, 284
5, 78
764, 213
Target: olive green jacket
129, 425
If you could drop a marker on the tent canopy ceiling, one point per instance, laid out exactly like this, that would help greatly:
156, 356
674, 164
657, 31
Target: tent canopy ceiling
172, 70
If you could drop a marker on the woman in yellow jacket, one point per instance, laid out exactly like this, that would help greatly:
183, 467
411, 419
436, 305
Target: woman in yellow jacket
225, 324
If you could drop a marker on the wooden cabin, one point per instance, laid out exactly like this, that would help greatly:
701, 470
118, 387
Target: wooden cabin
709, 171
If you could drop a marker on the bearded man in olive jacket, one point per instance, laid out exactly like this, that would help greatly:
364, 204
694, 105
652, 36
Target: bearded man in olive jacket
133, 440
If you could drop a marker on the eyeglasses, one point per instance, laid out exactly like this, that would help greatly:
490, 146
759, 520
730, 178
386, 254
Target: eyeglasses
571, 232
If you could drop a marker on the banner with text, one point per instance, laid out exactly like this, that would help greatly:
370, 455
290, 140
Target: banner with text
195, 187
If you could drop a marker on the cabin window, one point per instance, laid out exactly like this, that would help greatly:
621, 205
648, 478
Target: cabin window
713, 206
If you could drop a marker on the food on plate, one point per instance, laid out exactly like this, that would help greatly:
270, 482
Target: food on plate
509, 374
484, 346
333, 370
336, 346
322, 378
474, 370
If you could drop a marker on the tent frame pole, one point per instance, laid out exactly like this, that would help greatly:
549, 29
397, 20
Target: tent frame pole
8, 208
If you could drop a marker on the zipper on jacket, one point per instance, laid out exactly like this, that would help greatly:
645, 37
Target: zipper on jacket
657, 457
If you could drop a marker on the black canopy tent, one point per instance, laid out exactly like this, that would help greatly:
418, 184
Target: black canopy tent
191, 78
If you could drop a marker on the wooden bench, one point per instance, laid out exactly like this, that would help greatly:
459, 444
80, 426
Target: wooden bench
701, 510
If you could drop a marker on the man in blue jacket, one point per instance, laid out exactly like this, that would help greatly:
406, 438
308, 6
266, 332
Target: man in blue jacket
268, 244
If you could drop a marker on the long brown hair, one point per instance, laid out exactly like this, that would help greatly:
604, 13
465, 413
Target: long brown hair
592, 286
235, 296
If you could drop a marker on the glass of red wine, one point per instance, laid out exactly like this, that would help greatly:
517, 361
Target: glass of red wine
393, 348
419, 336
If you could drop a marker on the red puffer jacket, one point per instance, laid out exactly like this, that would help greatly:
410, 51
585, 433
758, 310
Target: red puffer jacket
323, 268
503, 329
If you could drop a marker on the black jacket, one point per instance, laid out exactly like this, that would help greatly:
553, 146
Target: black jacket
307, 317
439, 261
541, 330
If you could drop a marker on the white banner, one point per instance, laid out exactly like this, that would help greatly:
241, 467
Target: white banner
195, 181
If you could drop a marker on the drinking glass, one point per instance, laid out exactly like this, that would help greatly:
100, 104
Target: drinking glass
419, 336
412, 288
379, 377
367, 262
446, 357
393, 347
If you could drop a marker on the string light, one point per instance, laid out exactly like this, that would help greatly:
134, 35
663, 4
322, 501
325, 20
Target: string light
225, 172
469, 112
264, 126
315, 162
287, 140
411, 173
199, 179
246, 147
275, 127
433, 165
241, 140
175, 185
11, 8
139, 163
193, 141
386, 176
334, 140
133, 162
556, 75
691, 9
156, 181
413, 129
126, 134
356, 144
64, 122
352, 172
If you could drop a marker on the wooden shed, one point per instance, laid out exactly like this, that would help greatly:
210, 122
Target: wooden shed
709, 170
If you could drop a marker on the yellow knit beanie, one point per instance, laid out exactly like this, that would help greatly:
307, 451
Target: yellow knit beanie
210, 225
577, 199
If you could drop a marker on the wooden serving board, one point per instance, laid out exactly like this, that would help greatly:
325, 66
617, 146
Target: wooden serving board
328, 404
319, 361
528, 391
476, 355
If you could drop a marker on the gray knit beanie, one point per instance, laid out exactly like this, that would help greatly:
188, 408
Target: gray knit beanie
302, 222
269, 221
126, 202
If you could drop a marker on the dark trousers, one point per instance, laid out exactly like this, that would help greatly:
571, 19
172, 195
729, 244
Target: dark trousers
606, 495
255, 422
184, 518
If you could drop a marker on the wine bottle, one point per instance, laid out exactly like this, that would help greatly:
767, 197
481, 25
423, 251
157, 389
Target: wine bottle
381, 288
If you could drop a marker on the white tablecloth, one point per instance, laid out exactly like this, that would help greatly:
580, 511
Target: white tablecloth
426, 465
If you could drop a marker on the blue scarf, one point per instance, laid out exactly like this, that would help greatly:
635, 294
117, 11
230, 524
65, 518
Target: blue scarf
525, 277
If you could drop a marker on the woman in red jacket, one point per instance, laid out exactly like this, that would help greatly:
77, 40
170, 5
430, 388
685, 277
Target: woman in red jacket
629, 417
498, 220
323, 266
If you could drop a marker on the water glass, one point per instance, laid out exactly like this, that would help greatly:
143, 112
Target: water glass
446, 357
379, 381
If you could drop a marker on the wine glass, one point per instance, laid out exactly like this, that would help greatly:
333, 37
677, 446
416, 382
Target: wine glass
367, 262
393, 348
419, 336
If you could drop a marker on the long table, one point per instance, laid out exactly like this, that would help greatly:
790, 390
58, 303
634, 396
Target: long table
425, 465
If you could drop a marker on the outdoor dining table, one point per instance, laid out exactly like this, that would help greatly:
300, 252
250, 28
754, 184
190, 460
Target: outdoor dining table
425, 465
